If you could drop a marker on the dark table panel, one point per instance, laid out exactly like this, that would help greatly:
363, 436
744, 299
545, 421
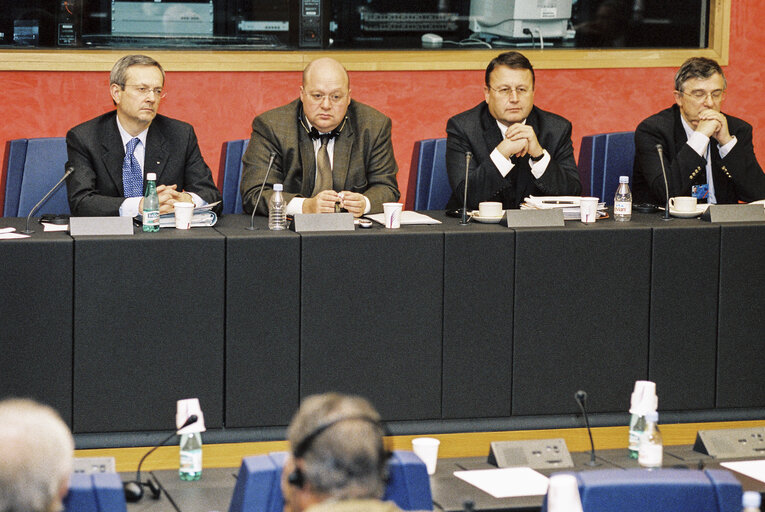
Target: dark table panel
148, 328
210, 493
36, 317
262, 323
741, 316
581, 315
371, 317
479, 270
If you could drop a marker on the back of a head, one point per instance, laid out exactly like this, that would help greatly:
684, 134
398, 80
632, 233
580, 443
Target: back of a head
339, 438
37, 455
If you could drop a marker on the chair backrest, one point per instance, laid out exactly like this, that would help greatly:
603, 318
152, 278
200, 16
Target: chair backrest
660, 490
432, 190
231, 161
98, 492
258, 483
34, 166
602, 159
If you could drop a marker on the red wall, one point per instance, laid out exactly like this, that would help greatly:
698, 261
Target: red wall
221, 105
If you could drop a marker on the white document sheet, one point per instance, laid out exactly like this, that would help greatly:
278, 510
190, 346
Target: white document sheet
408, 217
506, 482
751, 468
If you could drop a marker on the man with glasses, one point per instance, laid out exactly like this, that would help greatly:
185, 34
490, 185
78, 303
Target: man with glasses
112, 153
330, 152
707, 154
518, 149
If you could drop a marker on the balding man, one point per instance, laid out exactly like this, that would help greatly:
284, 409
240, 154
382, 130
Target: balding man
36, 457
330, 151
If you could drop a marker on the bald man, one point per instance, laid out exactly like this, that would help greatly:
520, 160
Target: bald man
330, 152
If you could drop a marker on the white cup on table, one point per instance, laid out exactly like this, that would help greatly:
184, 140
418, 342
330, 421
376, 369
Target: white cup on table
684, 204
183, 214
392, 213
426, 448
588, 209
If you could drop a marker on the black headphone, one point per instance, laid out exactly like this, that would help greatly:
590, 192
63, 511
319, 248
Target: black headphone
134, 489
297, 478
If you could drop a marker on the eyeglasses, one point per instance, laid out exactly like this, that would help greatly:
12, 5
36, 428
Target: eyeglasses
700, 96
334, 98
143, 91
506, 92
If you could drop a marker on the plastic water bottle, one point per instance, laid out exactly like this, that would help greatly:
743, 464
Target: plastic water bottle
623, 200
651, 451
277, 216
191, 456
751, 501
151, 204
642, 401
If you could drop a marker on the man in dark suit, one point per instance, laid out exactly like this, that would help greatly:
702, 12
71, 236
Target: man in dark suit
112, 153
707, 154
328, 150
518, 149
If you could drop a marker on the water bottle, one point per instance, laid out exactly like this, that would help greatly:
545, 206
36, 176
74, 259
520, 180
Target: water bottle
191, 456
751, 501
651, 446
642, 401
277, 216
623, 200
151, 204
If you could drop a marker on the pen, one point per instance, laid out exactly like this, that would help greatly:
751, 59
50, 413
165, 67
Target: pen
557, 202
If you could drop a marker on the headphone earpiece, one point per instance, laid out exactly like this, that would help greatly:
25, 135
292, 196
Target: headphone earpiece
296, 478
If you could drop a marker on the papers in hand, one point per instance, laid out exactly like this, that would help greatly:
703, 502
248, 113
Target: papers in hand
506, 482
569, 204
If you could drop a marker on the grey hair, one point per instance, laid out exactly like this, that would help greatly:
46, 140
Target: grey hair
118, 74
700, 68
37, 456
348, 459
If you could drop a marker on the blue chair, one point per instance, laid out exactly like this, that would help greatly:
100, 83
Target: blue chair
660, 490
34, 166
231, 161
258, 483
602, 159
432, 189
98, 492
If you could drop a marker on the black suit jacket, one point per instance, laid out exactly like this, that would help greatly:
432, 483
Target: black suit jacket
96, 151
737, 177
475, 130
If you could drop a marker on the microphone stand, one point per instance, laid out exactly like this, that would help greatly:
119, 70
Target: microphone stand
69, 170
252, 227
581, 397
465, 220
660, 150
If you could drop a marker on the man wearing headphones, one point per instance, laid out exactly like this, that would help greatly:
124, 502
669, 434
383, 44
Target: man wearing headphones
337, 461
328, 151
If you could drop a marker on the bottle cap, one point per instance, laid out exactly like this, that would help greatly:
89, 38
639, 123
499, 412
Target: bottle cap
151, 176
186, 408
751, 499
624, 179
278, 187
644, 398
652, 416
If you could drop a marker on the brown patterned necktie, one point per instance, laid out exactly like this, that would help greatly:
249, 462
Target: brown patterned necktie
324, 167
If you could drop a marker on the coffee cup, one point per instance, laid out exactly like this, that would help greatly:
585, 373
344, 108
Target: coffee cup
490, 209
683, 204
588, 209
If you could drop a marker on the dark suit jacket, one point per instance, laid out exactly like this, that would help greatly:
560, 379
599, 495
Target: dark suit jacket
362, 161
736, 177
96, 151
475, 130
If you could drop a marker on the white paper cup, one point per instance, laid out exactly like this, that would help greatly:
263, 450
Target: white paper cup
682, 204
183, 214
392, 213
563, 494
490, 209
426, 448
588, 209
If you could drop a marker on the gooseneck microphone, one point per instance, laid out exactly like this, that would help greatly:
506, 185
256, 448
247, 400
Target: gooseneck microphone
581, 398
252, 227
134, 489
464, 221
69, 169
660, 150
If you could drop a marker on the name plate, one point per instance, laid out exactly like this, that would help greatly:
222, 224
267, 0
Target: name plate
79, 226
307, 222
734, 213
535, 218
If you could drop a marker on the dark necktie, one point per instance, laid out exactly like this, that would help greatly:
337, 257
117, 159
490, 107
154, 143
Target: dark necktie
323, 167
132, 176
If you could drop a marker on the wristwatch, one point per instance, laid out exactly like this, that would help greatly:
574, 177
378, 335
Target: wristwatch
537, 158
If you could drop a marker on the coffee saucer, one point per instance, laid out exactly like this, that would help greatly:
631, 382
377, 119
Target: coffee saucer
486, 220
700, 208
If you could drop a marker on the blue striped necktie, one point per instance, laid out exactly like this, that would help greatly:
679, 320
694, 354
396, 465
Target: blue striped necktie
132, 176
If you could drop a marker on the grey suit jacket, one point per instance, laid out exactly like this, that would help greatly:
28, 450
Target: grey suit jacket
96, 151
362, 161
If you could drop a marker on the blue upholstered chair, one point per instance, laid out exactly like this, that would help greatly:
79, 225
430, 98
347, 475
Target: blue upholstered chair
34, 166
99, 492
231, 161
602, 159
660, 490
432, 189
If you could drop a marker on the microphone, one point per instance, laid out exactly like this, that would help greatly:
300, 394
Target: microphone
468, 156
260, 193
660, 150
581, 398
69, 169
134, 489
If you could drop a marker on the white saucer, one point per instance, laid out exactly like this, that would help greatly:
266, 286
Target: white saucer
700, 208
486, 220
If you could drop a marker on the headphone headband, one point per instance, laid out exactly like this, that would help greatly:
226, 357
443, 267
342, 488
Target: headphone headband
305, 444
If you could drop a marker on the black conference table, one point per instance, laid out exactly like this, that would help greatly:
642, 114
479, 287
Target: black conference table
444, 328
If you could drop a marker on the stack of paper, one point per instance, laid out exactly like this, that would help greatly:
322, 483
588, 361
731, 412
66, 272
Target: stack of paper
569, 204
201, 218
